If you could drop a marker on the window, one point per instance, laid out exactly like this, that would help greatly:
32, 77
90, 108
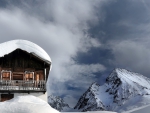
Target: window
29, 76
39, 75
6, 75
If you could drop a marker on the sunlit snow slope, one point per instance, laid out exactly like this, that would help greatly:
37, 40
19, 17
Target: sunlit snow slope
26, 104
122, 91
145, 109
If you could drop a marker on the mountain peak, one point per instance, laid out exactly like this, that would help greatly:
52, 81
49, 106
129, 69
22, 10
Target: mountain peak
118, 70
94, 85
124, 75
120, 88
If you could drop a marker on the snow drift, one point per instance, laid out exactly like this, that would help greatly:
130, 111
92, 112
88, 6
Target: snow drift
26, 104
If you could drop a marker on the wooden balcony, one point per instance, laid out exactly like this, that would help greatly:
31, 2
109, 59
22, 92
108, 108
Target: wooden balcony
21, 86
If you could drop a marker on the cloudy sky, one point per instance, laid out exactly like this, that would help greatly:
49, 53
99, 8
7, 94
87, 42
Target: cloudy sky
86, 39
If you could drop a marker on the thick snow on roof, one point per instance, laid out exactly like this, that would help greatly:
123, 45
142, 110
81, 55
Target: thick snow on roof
30, 47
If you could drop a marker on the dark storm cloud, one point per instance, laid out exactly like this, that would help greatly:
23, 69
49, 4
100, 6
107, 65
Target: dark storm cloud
3, 3
102, 55
130, 43
122, 21
124, 35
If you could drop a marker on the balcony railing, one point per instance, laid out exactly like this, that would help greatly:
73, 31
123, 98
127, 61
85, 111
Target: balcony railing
22, 85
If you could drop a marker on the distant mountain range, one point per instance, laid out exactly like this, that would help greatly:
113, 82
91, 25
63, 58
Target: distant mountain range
122, 91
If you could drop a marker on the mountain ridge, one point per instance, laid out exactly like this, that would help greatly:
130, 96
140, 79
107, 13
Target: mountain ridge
58, 103
120, 87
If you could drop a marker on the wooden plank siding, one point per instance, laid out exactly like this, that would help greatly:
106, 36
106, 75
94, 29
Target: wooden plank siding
20, 65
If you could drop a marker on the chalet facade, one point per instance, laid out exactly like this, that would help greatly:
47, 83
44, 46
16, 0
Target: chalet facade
23, 70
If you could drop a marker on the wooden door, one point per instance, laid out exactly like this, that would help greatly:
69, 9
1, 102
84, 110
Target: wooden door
5, 97
40, 75
37, 77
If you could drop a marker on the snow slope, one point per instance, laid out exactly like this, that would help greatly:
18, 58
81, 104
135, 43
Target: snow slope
144, 109
122, 91
10, 46
26, 104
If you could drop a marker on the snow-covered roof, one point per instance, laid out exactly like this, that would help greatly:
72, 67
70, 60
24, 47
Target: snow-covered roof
30, 47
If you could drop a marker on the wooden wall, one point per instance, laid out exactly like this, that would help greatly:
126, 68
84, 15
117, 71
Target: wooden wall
20, 61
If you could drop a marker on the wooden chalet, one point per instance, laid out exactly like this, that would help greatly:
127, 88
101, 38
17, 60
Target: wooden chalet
22, 72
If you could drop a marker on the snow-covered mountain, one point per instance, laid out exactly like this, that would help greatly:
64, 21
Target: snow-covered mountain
58, 103
122, 91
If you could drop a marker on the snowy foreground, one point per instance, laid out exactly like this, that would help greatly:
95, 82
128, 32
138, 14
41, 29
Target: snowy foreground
32, 104
26, 104
91, 112
143, 109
